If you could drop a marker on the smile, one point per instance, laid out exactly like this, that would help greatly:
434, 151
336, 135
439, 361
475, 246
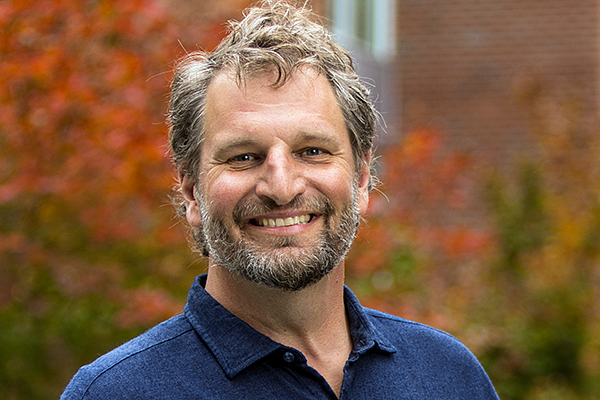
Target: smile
277, 222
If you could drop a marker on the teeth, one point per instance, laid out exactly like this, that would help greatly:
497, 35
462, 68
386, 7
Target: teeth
277, 222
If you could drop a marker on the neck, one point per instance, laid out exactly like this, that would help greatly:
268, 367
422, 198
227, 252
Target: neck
312, 320
280, 313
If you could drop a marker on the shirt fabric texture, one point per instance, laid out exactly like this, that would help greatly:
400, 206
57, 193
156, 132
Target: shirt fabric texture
208, 353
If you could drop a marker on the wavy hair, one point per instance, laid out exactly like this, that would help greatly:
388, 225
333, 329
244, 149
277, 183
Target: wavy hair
273, 37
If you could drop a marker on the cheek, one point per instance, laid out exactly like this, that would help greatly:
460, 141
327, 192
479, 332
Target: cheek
336, 185
223, 192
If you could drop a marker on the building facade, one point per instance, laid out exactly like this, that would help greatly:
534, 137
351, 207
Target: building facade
463, 66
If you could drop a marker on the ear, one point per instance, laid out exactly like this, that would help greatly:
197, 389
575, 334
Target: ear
192, 208
364, 180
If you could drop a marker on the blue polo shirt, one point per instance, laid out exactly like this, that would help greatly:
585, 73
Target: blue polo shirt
208, 353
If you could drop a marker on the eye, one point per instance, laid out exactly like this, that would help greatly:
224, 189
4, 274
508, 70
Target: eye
243, 158
313, 151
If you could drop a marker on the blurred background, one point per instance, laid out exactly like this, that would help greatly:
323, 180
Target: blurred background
486, 225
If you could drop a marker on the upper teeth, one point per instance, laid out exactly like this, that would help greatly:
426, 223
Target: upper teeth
300, 219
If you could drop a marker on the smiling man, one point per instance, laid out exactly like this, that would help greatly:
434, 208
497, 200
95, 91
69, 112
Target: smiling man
271, 135
276, 193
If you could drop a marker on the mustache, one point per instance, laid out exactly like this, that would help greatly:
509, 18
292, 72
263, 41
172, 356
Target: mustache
250, 208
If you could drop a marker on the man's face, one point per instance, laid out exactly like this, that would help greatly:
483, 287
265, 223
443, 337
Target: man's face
277, 196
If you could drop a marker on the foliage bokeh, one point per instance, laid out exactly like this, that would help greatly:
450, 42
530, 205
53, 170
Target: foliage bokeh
522, 288
90, 252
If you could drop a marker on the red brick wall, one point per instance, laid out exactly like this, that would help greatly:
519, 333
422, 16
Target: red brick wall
459, 62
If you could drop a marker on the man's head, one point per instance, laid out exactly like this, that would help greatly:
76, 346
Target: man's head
276, 52
276, 37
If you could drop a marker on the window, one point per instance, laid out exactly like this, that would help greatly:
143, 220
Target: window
368, 25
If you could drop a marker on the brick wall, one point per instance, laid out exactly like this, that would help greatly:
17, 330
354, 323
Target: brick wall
459, 62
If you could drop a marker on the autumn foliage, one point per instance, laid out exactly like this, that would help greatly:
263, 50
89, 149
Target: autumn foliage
402, 235
90, 252
521, 289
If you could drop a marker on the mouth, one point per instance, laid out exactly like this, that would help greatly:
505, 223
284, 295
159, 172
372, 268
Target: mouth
279, 222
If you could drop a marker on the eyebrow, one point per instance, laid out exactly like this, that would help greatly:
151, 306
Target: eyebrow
318, 137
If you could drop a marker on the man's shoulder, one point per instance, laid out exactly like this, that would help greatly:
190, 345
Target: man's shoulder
438, 363
402, 332
161, 334
139, 354
400, 324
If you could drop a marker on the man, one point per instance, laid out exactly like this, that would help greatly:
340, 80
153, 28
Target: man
271, 135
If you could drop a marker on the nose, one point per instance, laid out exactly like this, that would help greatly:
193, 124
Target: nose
281, 179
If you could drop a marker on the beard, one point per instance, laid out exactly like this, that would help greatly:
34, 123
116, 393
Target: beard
278, 261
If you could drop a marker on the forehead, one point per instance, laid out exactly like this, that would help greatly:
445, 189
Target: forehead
305, 93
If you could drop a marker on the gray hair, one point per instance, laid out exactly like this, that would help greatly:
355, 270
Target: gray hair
273, 37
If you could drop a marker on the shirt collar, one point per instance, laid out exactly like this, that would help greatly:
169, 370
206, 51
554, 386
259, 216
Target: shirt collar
364, 334
236, 345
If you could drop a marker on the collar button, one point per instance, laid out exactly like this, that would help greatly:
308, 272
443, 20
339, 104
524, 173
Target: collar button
288, 357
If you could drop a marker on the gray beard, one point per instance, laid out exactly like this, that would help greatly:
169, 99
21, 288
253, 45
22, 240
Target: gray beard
274, 262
